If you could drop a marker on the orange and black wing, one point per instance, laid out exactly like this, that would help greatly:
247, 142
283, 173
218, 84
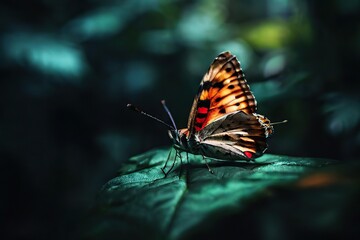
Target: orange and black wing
223, 90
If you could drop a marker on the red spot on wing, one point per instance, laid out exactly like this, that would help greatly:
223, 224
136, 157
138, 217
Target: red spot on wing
199, 120
248, 154
203, 110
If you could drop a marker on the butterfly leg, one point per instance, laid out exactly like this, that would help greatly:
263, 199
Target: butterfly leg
181, 164
166, 162
206, 162
172, 165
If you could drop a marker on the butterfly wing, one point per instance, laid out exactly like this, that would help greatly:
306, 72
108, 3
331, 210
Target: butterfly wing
236, 135
222, 90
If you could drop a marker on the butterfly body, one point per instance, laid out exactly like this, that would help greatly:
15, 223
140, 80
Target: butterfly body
228, 138
222, 122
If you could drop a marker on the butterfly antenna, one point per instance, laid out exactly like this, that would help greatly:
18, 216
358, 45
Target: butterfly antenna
169, 113
275, 123
136, 109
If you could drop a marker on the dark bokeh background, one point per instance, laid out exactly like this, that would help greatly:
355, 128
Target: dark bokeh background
69, 68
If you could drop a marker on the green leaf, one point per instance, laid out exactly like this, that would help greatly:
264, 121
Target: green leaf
143, 204
46, 53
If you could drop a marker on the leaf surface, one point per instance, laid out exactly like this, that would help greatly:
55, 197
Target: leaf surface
142, 203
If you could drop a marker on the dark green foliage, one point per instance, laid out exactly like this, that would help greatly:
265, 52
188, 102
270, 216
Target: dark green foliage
275, 197
68, 69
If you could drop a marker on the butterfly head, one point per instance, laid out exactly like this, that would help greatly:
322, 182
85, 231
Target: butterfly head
174, 136
178, 137
183, 141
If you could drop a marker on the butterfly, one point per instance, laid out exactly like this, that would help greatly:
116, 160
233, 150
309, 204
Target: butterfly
223, 123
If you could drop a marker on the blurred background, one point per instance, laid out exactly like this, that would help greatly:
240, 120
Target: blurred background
69, 68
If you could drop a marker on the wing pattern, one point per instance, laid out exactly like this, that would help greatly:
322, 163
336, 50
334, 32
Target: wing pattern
223, 90
236, 135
